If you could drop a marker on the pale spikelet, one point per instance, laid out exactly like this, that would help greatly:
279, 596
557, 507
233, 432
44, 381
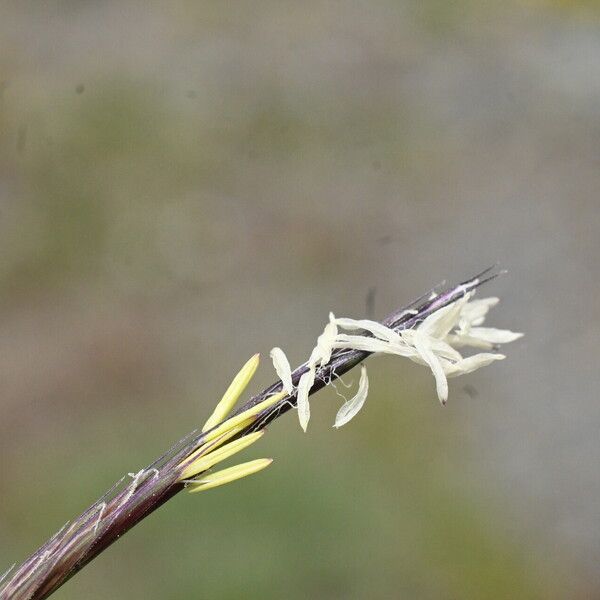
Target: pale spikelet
471, 363
474, 312
424, 349
377, 329
351, 408
246, 416
494, 336
283, 369
204, 463
304, 386
370, 344
228, 475
326, 339
442, 321
235, 389
215, 442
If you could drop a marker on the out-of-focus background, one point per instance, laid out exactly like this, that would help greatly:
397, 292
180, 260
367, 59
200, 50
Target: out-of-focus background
183, 184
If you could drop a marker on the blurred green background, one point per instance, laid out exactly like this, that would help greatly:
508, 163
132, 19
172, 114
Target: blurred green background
183, 184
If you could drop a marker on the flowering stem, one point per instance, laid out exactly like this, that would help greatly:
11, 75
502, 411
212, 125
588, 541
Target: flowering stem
128, 502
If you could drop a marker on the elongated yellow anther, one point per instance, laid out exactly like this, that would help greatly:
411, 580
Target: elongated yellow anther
209, 460
234, 391
247, 414
214, 443
228, 475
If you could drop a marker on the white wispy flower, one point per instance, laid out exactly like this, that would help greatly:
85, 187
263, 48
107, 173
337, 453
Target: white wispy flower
418, 344
320, 355
484, 338
351, 408
428, 340
377, 329
370, 344
469, 332
322, 352
441, 347
283, 369
471, 363
442, 321
422, 342
304, 385
432, 343
474, 312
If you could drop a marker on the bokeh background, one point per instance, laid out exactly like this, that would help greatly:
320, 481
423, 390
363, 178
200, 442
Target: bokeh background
185, 183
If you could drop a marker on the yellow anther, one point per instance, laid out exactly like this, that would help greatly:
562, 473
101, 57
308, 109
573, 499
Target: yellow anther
207, 461
234, 391
247, 414
228, 475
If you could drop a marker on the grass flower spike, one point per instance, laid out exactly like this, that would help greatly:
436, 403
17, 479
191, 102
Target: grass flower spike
429, 331
432, 341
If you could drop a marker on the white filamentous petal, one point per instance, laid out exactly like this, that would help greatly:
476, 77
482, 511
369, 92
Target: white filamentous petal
459, 340
368, 344
439, 323
433, 343
321, 353
441, 347
423, 347
494, 336
444, 350
471, 363
484, 338
360, 342
282, 368
315, 357
474, 312
304, 386
325, 342
377, 329
351, 408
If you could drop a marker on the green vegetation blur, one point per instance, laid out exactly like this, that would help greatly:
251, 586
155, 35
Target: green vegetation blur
184, 184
